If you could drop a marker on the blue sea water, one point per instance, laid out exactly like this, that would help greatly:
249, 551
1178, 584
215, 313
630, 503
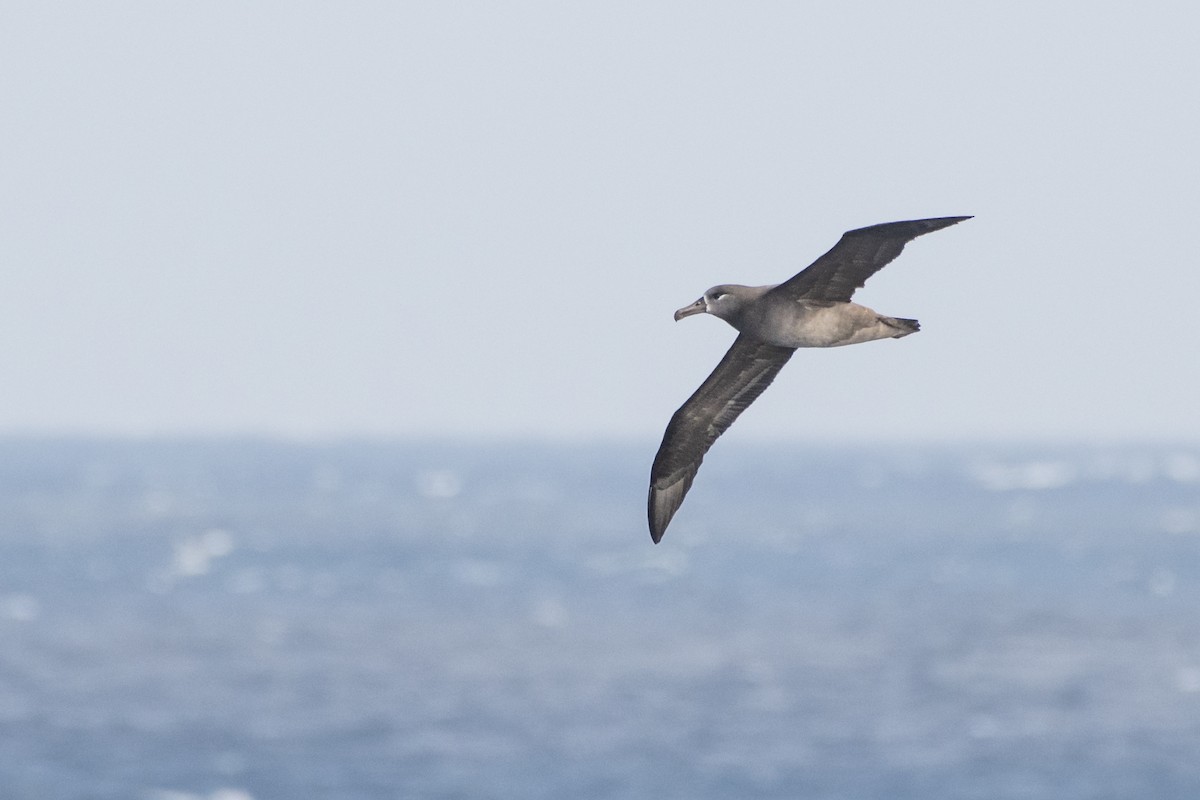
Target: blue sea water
257, 620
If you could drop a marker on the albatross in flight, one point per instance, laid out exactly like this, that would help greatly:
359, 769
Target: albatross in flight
811, 309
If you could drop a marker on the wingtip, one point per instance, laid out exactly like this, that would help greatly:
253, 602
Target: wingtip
938, 223
911, 228
924, 226
658, 524
661, 507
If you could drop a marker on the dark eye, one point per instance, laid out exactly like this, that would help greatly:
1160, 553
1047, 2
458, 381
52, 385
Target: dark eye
717, 296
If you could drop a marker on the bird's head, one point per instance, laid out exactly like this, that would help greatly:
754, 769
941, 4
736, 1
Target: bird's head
723, 301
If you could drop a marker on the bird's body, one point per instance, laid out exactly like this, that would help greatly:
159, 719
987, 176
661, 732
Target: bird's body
782, 321
812, 309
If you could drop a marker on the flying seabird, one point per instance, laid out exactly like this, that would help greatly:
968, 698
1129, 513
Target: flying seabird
811, 309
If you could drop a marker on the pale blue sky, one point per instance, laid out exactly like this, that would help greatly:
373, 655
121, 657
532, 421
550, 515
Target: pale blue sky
477, 218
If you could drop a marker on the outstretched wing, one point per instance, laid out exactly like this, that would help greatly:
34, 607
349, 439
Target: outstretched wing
746, 370
858, 255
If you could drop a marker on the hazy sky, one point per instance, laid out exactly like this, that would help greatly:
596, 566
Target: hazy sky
443, 218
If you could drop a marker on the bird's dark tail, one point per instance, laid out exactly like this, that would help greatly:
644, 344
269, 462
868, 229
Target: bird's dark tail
903, 326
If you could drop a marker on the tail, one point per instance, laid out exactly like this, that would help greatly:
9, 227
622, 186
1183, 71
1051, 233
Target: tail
903, 326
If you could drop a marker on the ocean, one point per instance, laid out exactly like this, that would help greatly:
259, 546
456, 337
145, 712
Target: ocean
360, 620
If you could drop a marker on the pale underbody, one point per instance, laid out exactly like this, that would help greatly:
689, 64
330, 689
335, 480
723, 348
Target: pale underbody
788, 322
812, 323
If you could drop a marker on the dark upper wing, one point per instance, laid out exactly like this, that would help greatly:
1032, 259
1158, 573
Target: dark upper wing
858, 255
746, 370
